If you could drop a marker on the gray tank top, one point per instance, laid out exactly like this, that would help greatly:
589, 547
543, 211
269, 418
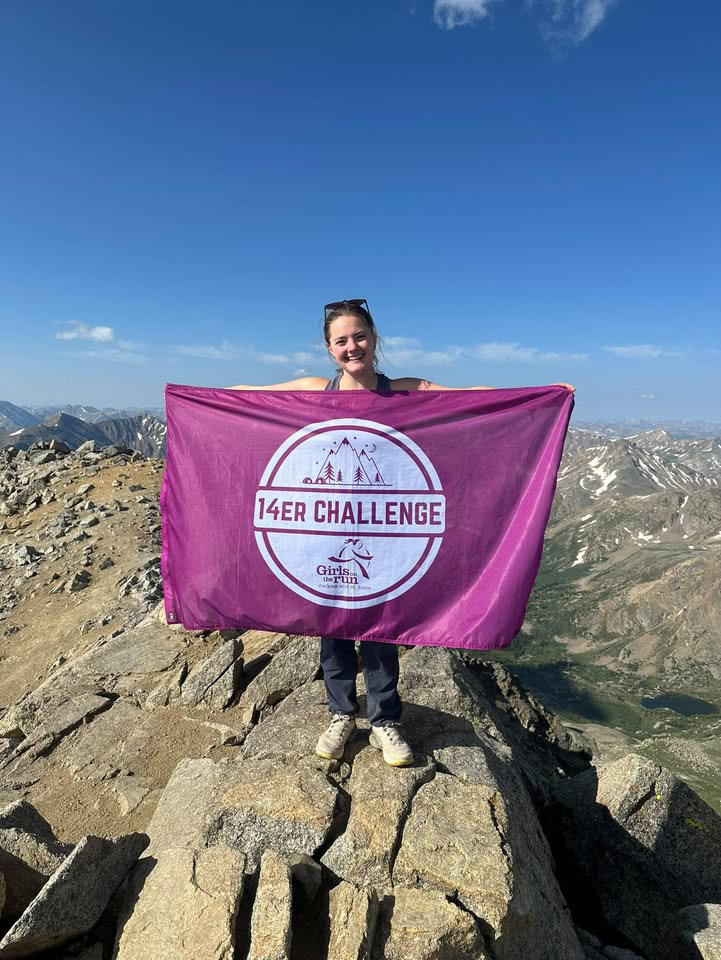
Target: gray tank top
383, 386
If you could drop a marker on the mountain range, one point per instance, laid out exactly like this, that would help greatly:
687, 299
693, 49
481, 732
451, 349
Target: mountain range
74, 424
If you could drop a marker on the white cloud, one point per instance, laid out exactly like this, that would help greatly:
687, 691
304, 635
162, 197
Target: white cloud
514, 352
648, 396
403, 355
230, 351
643, 351
204, 352
114, 354
569, 22
400, 342
80, 331
448, 14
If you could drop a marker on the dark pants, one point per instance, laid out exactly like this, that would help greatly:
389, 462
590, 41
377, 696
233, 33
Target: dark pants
380, 670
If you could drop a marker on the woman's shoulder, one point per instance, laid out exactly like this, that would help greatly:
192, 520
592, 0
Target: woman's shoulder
410, 383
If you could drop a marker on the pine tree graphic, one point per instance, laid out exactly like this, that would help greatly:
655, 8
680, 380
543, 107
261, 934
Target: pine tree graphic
339, 478
329, 477
358, 476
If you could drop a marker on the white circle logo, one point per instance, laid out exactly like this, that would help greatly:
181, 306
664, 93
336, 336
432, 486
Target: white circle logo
349, 513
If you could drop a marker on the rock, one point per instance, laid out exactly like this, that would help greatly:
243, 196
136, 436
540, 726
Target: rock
207, 803
353, 914
29, 854
214, 681
97, 751
363, 854
619, 953
88, 446
49, 712
73, 899
294, 816
182, 906
424, 925
699, 932
2, 892
270, 928
78, 581
644, 842
167, 690
59, 446
291, 731
461, 839
296, 664
189, 799
306, 873
130, 661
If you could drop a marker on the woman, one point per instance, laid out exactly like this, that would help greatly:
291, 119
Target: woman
352, 342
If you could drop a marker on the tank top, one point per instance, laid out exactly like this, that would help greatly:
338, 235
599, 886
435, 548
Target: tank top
383, 385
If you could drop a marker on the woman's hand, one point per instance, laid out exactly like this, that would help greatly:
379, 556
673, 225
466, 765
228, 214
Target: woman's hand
568, 386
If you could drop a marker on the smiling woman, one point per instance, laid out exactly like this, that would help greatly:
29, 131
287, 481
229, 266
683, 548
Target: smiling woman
352, 342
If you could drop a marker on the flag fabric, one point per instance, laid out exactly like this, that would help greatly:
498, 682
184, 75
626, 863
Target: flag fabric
404, 517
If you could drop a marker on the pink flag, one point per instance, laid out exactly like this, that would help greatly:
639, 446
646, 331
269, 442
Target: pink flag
402, 517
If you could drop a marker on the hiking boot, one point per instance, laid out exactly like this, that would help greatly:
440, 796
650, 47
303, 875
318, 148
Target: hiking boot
332, 743
388, 738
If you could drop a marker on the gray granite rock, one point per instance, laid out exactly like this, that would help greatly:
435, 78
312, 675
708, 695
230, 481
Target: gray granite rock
461, 840
188, 801
207, 803
73, 899
699, 932
182, 906
291, 731
293, 816
380, 801
307, 874
270, 928
424, 925
295, 664
645, 843
214, 680
29, 854
353, 914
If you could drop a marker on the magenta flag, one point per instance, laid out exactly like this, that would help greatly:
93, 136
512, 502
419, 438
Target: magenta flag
412, 518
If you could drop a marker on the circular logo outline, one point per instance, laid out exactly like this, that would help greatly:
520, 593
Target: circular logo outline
411, 577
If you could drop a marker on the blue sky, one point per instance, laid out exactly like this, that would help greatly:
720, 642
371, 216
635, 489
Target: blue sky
524, 191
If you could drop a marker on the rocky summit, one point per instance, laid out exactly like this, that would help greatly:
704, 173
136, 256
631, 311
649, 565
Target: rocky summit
160, 796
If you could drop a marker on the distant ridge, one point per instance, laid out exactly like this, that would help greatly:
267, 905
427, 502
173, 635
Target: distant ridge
144, 433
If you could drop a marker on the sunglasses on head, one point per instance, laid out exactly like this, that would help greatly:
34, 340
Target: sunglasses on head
337, 304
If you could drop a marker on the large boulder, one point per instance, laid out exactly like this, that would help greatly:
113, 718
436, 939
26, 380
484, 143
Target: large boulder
182, 906
353, 914
214, 680
292, 666
363, 853
270, 928
250, 806
642, 845
29, 854
425, 925
73, 899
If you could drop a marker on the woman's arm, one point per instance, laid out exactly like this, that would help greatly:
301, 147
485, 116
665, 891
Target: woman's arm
305, 383
415, 383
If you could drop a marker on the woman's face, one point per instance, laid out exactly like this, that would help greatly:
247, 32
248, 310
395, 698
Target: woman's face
352, 344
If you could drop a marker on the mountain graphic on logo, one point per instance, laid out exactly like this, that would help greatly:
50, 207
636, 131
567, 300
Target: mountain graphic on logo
344, 465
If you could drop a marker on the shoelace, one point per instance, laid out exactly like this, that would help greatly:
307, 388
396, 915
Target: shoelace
394, 735
340, 718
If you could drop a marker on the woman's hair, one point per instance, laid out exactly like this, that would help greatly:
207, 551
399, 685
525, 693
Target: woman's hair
346, 309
